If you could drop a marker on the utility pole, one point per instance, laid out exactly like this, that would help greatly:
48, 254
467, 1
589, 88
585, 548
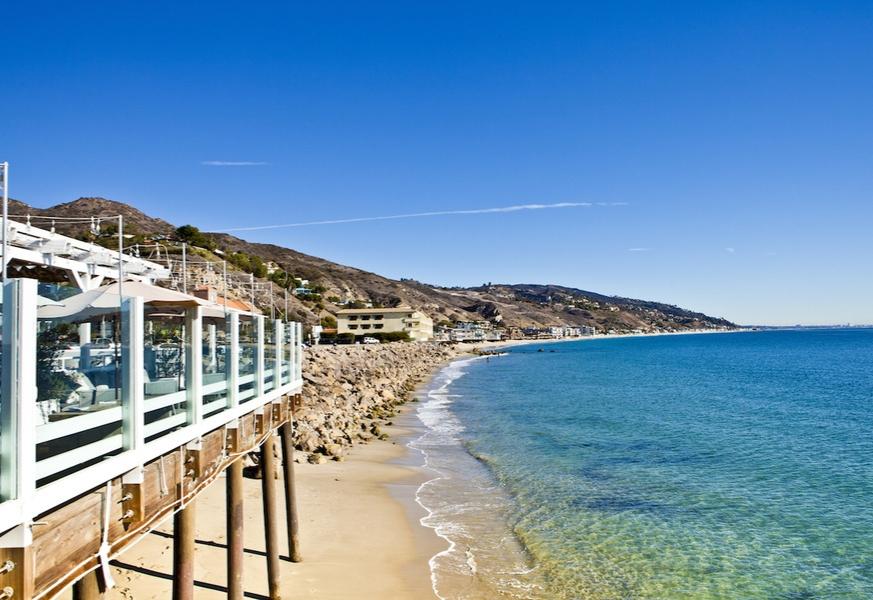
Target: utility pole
120, 257
184, 268
5, 167
224, 269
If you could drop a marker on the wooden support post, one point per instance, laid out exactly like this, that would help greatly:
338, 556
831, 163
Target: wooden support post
133, 504
88, 588
234, 492
19, 576
290, 490
183, 552
271, 530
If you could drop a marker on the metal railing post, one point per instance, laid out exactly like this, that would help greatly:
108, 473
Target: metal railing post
279, 334
194, 364
232, 359
132, 377
259, 356
17, 414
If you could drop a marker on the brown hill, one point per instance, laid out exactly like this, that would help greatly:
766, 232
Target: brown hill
520, 305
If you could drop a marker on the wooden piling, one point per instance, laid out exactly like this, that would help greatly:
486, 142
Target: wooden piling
235, 546
88, 588
183, 552
271, 525
290, 489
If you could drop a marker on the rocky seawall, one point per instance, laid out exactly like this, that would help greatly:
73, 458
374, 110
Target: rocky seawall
349, 392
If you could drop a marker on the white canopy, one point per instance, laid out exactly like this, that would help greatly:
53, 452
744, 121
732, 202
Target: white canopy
41, 301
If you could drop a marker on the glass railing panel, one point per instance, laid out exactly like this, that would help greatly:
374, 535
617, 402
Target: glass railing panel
164, 350
248, 344
79, 380
216, 351
287, 353
297, 369
269, 354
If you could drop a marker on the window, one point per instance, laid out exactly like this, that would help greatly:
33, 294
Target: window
378, 317
365, 326
378, 326
365, 317
353, 317
353, 326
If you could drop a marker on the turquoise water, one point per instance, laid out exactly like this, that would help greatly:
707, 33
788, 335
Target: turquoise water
676, 467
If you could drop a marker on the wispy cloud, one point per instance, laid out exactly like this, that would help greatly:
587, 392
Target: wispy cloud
233, 163
437, 213
639, 249
730, 250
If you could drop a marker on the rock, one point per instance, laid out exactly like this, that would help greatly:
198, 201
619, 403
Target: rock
333, 450
350, 390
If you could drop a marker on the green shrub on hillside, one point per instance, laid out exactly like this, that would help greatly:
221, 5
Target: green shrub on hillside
195, 237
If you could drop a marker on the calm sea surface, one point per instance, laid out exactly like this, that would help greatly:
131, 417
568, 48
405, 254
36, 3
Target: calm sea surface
732, 466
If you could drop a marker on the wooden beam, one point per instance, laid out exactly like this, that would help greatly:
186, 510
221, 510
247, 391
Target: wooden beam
183, 552
271, 525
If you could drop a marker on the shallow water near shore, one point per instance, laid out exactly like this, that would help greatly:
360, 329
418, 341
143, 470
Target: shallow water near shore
466, 507
675, 467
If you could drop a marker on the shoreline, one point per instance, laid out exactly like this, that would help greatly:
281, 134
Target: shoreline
413, 428
361, 525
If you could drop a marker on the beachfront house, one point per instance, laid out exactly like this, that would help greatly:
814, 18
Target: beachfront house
367, 321
469, 331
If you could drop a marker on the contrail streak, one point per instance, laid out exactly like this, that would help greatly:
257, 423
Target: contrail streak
233, 163
437, 213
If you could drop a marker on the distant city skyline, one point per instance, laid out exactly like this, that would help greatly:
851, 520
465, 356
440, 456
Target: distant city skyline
713, 157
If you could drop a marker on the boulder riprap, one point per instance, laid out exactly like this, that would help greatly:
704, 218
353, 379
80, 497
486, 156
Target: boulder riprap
350, 391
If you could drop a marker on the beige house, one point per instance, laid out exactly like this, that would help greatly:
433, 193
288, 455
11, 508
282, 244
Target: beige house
364, 321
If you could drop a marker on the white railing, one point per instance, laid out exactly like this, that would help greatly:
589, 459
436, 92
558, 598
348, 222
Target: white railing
45, 463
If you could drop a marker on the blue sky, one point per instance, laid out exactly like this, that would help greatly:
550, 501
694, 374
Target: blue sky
726, 149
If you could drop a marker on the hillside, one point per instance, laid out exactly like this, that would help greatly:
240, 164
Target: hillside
333, 285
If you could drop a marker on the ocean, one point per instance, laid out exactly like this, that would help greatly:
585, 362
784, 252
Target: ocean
730, 466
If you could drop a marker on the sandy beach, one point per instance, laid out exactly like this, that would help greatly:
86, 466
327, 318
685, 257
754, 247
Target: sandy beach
359, 531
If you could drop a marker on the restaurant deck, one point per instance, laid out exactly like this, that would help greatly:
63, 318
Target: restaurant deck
102, 438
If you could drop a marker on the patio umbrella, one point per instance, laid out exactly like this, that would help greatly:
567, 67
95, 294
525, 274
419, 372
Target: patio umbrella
105, 301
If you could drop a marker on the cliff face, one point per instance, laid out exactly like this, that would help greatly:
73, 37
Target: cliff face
350, 391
